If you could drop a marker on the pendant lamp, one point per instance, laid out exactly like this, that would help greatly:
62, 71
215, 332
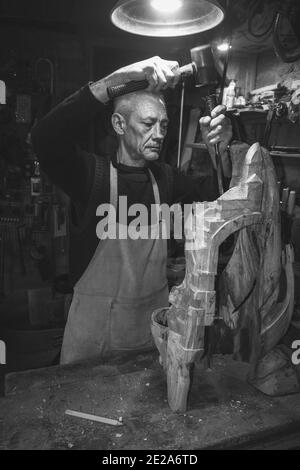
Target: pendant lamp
167, 18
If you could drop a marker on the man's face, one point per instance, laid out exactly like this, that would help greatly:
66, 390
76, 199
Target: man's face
146, 128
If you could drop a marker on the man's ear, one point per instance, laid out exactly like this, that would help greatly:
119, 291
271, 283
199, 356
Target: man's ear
118, 123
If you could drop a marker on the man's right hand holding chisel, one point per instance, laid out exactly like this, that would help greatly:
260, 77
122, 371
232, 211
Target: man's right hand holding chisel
210, 128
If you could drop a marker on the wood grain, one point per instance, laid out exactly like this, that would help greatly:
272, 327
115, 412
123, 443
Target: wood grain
248, 287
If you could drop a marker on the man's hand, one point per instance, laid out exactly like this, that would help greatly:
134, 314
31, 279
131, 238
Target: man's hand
217, 129
160, 74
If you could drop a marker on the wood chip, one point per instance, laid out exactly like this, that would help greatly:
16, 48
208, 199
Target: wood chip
99, 419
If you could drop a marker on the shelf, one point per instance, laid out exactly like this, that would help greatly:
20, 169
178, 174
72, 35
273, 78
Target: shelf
284, 154
196, 145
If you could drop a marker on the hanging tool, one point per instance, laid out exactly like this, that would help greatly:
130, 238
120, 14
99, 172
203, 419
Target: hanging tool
287, 204
285, 198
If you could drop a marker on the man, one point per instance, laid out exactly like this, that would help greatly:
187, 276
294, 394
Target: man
118, 282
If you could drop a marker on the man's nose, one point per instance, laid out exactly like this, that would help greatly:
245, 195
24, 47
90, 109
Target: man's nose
157, 132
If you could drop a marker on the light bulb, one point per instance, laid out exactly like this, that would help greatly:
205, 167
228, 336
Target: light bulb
224, 47
166, 6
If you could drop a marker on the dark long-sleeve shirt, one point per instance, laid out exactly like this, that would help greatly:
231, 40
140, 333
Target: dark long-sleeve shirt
84, 176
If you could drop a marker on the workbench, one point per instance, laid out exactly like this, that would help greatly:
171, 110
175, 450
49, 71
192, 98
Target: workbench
224, 410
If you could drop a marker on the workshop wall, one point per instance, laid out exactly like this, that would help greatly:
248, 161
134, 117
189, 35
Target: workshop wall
270, 69
36, 255
68, 53
242, 68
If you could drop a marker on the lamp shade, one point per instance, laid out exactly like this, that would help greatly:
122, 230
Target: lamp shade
167, 18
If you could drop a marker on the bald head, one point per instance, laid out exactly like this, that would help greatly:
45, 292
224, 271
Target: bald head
130, 102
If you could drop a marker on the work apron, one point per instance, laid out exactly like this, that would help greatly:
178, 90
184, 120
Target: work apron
113, 300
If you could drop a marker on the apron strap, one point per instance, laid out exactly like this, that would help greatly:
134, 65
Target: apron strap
155, 188
113, 199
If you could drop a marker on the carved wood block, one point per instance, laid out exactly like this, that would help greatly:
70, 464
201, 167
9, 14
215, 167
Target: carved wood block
248, 287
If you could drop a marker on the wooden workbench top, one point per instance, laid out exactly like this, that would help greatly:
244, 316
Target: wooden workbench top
223, 409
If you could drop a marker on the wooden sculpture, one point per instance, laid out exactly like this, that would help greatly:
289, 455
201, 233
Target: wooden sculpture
249, 286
